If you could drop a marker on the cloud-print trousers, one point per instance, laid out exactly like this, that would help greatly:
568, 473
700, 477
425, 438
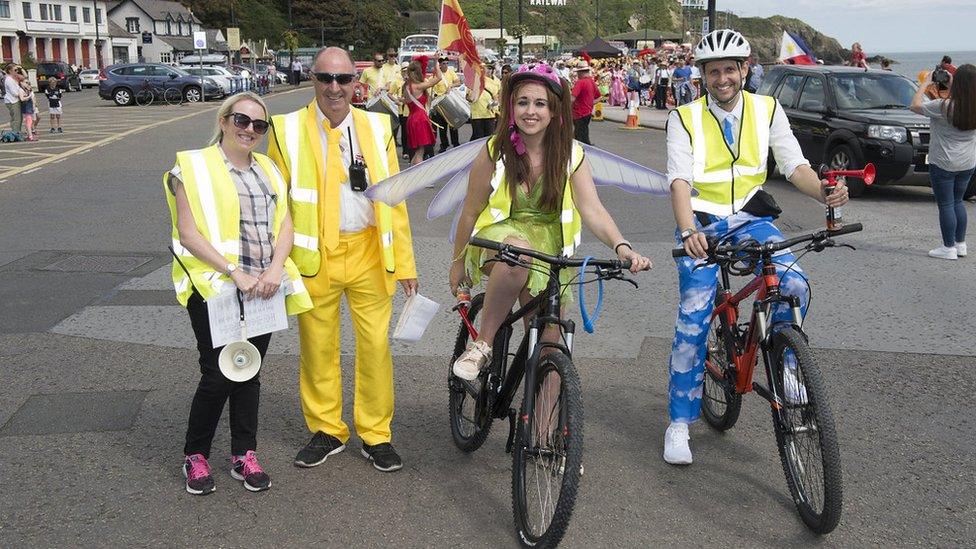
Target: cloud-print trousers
697, 288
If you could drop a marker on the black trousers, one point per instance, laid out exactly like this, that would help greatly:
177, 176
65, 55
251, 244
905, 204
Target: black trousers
581, 129
482, 127
660, 96
214, 389
403, 137
443, 130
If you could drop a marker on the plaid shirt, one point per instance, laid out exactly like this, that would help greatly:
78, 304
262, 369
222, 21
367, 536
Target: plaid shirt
257, 213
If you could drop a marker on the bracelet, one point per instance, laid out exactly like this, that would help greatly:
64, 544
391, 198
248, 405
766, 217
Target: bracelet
625, 243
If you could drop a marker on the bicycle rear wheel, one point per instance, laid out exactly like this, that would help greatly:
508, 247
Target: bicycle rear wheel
805, 433
173, 96
547, 459
144, 97
467, 429
720, 402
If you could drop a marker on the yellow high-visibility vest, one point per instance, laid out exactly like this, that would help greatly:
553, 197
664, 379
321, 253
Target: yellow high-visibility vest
499, 206
217, 213
297, 138
726, 182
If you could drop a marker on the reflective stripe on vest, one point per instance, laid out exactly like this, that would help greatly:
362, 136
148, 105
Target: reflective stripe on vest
716, 172
215, 206
499, 206
291, 132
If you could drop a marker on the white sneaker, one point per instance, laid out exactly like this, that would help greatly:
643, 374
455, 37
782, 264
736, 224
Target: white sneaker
795, 391
961, 249
472, 360
676, 450
943, 252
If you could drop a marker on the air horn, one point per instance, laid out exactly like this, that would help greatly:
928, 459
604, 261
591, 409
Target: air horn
867, 175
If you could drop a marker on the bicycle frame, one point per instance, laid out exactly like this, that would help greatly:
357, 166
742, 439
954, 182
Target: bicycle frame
743, 349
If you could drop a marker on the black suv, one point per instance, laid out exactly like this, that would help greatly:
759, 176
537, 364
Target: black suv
68, 80
845, 117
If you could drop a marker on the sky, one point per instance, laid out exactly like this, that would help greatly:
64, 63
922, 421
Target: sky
879, 25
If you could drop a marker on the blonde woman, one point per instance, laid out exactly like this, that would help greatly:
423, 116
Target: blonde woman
229, 189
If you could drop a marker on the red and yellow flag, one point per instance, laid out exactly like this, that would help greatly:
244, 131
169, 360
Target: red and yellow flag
455, 35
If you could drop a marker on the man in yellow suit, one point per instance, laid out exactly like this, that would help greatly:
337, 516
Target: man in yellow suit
344, 245
373, 76
449, 81
485, 108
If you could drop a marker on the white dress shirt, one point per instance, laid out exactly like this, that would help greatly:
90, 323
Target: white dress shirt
786, 150
355, 210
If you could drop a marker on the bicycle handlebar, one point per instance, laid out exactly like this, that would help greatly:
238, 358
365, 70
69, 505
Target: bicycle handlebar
773, 247
503, 248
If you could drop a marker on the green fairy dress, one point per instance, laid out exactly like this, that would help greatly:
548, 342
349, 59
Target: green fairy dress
527, 221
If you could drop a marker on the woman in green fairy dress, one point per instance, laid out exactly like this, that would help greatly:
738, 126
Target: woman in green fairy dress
530, 186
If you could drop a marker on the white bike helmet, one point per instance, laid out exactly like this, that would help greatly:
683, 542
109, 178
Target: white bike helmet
722, 44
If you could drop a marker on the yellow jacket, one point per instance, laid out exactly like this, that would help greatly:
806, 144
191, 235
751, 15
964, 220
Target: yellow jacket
295, 147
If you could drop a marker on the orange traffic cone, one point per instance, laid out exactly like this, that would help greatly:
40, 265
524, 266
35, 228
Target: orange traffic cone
633, 118
598, 112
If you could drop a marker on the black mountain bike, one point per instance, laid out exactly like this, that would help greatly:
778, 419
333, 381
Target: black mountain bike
151, 92
545, 435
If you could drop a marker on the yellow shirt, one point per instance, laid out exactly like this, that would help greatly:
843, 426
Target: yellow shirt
373, 78
480, 109
448, 79
390, 73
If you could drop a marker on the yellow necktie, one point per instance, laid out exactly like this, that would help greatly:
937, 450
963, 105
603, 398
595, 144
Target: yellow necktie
335, 174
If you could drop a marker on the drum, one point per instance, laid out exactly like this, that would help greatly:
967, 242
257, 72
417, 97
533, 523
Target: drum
646, 80
385, 104
453, 108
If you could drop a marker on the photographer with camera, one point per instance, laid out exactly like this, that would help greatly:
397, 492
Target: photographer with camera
939, 81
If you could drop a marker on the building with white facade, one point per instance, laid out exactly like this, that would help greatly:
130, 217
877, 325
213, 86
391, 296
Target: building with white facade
163, 30
73, 31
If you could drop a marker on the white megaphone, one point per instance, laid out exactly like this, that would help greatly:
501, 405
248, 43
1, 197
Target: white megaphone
240, 361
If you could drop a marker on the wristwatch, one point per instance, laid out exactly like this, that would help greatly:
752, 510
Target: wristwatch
231, 268
686, 234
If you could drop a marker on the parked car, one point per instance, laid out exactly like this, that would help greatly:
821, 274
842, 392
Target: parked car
229, 82
68, 79
121, 82
89, 78
845, 117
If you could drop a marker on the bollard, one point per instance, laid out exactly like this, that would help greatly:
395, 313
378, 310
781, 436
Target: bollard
598, 111
633, 117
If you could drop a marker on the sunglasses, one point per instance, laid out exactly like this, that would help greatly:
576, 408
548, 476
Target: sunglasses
378, 60
242, 121
329, 77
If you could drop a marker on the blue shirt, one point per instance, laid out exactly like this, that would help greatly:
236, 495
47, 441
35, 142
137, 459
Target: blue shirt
683, 72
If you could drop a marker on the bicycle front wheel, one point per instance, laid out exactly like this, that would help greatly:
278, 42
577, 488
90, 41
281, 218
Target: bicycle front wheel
468, 430
805, 433
548, 454
144, 98
173, 96
720, 402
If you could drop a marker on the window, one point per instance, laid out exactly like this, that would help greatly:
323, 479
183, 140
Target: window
169, 27
138, 71
43, 12
5, 9
73, 14
85, 14
27, 11
132, 24
813, 97
790, 89
179, 28
166, 57
57, 12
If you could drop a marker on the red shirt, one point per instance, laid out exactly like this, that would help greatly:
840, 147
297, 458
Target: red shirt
586, 94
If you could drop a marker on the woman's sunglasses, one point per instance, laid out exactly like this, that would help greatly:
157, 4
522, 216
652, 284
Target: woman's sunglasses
242, 121
329, 77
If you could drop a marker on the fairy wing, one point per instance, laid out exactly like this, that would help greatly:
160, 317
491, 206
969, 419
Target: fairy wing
434, 171
610, 169
451, 195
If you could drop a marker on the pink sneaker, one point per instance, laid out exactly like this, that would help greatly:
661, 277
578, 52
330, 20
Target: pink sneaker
199, 482
246, 468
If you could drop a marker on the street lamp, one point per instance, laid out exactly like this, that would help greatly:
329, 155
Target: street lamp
521, 30
98, 40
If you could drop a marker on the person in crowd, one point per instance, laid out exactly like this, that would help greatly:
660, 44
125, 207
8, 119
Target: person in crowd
858, 58
13, 76
247, 200
296, 72
390, 71
947, 65
449, 81
584, 96
952, 155
618, 86
681, 80
485, 108
662, 78
28, 110
420, 134
756, 74
372, 77
397, 92
708, 140
54, 109
634, 83
345, 245
563, 70
506, 72
534, 147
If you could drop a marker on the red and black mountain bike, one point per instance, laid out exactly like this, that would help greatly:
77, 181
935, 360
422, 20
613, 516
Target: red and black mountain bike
795, 388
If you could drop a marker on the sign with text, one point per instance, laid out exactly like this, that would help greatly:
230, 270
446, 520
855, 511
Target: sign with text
199, 40
547, 2
700, 4
233, 38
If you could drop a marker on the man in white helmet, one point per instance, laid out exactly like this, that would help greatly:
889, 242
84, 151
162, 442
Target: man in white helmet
718, 145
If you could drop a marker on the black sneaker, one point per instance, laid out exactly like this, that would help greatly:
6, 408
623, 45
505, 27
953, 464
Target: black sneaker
246, 468
199, 482
318, 450
383, 456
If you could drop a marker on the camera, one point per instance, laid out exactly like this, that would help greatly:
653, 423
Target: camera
940, 77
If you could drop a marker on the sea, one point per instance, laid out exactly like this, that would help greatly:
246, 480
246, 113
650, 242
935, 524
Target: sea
911, 63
